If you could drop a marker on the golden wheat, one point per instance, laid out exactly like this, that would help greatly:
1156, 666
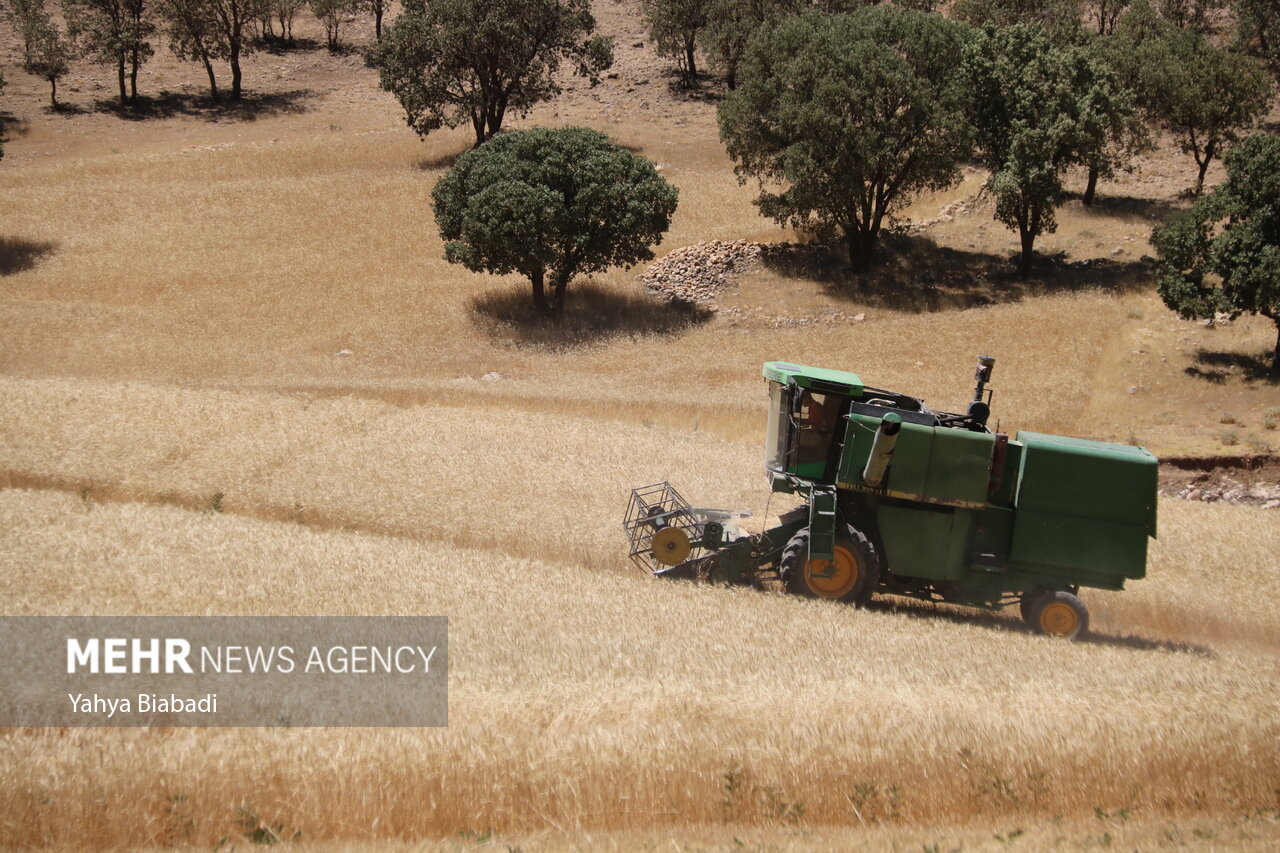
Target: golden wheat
604, 714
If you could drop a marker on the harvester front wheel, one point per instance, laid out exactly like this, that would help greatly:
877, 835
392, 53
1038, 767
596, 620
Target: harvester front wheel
1058, 614
851, 576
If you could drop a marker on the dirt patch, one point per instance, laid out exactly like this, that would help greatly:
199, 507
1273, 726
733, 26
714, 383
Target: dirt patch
1253, 479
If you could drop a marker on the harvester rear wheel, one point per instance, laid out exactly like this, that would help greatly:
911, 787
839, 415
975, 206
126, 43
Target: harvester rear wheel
851, 576
1058, 614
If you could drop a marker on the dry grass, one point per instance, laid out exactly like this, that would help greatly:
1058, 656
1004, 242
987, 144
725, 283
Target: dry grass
759, 710
174, 296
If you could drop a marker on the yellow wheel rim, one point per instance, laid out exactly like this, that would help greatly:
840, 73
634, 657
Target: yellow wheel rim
1059, 619
834, 578
670, 546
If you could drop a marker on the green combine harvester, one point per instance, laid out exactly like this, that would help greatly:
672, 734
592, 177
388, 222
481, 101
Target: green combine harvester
902, 500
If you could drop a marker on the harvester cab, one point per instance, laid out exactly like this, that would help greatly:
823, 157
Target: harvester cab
900, 499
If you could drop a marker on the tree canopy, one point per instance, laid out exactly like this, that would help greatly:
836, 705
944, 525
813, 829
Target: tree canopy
1054, 15
1224, 254
1038, 108
843, 118
455, 61
550, 205
1258, 24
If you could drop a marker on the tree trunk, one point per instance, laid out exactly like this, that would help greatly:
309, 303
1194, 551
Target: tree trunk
1210, 148
53, 92
377, 23
213, 81
1275, 356
124, 96
1091, 188
561, 281
133, 76
496, 114
691, 63
539, 294
861, 245
1028, 251
1204, 167
235, 71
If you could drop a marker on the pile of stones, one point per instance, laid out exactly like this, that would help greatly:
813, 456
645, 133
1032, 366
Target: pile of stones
699, 273
1266, 495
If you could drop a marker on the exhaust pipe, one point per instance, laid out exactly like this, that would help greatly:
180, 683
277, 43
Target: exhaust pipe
881, 450
979, 409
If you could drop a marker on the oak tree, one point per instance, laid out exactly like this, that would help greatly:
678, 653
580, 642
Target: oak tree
550, 205
675, 26
1038, 108
47, 51
1204, 94
455, 61
1224, 254
844, 118
114, 32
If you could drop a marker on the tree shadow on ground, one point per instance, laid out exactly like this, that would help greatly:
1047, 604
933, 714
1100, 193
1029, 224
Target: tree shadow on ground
432, 162
345, 48
1217, 366
913, 273
703, 89
65, 109
279, 47
251, 106
1132, 208
592, 313
13, 127
1003, 621
19, 255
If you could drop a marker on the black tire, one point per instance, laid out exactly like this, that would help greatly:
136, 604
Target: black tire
857, 568
1028, 601
1058, 614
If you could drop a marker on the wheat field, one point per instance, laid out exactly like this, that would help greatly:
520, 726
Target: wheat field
182, 431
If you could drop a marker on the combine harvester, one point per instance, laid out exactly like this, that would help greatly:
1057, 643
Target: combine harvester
903, 500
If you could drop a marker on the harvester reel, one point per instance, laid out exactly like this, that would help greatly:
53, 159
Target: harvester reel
662, 528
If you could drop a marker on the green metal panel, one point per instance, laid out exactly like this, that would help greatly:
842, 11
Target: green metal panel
909, 468
925, 543
930, 464
960, 467
818, 378
1088, 551
1088, 479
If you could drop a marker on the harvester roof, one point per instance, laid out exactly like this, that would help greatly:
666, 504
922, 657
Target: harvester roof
815, 378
